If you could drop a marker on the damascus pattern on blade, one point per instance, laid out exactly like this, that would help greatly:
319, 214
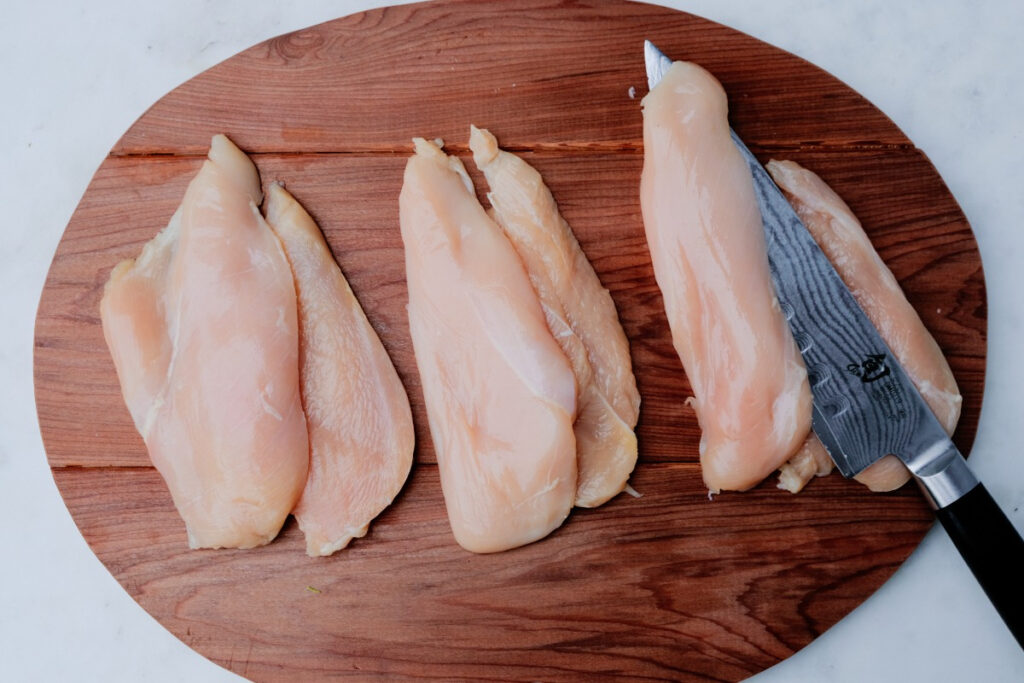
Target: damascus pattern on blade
865, 406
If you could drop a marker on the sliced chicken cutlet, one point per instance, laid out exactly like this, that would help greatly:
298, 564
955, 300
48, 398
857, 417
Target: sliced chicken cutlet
841, 236
499, 392
202, 329
707, 245
361, 435
579, 312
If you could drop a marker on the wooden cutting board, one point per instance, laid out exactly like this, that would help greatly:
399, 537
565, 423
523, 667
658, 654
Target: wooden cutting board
666, 586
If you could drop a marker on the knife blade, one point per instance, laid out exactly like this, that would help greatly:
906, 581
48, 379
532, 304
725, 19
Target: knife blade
865, 406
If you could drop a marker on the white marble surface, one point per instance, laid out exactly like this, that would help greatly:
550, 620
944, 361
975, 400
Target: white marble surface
75, 75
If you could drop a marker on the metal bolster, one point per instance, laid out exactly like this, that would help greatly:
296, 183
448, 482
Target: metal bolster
943, 474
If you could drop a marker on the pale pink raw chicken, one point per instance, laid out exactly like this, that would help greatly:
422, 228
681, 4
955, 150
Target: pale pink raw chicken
499, 392
580, 313
708, 249
841, 236
360, 427
203, 332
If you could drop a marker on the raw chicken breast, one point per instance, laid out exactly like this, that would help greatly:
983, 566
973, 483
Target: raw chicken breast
840, 235
500, 394
707, 245
203, 332
360, 427
580, 313
812, 460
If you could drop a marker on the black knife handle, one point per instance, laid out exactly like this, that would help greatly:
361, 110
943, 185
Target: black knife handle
992, 549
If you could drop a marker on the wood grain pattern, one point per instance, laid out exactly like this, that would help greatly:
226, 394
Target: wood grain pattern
322, 88
667, 586
635, 588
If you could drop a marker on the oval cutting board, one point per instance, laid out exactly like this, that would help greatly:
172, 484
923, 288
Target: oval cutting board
666, 586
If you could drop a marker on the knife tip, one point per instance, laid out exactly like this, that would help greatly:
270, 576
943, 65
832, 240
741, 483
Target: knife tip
656, 63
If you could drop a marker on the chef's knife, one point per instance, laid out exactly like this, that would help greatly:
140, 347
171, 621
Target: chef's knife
865, 406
